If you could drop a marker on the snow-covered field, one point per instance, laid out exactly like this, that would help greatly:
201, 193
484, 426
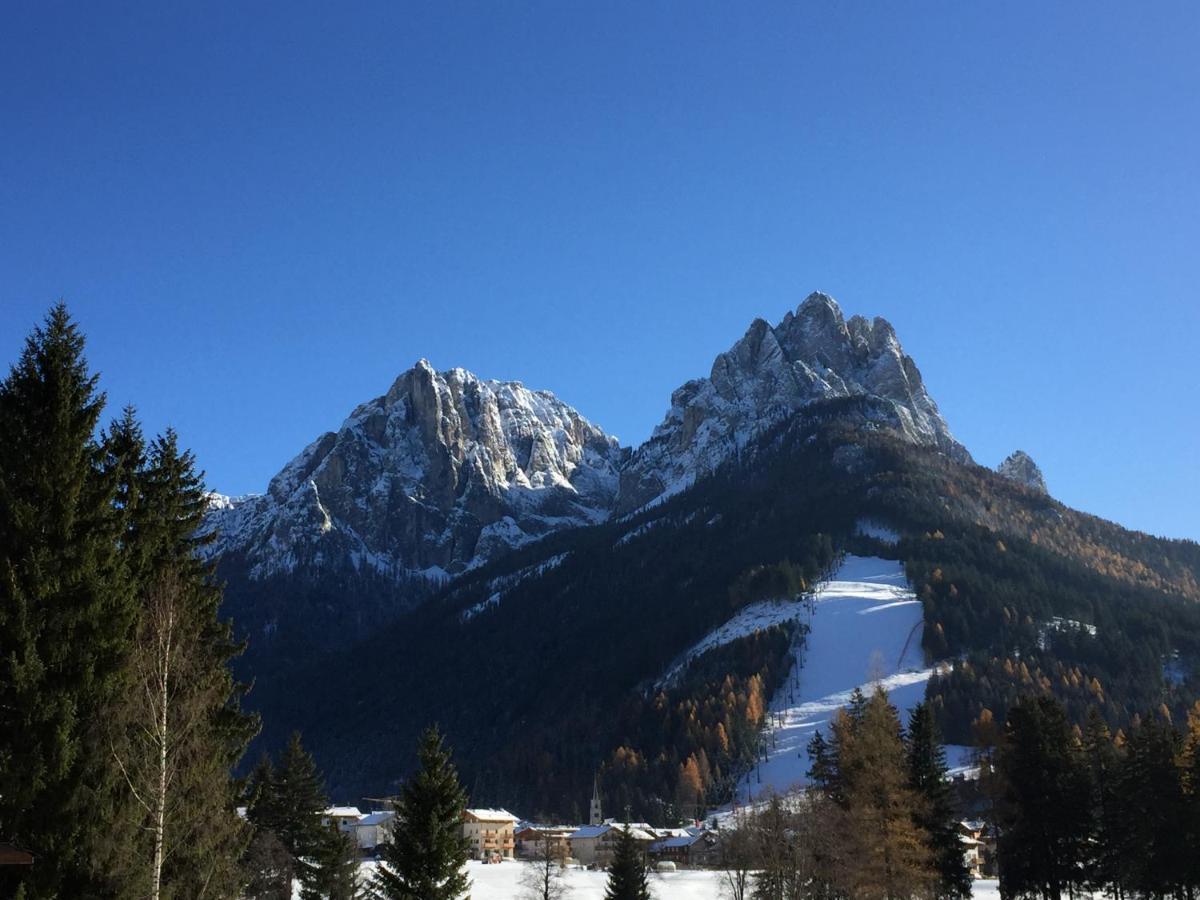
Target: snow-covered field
502, 882
866, 627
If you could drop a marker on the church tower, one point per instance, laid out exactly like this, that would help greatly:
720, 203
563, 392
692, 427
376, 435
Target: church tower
595, 816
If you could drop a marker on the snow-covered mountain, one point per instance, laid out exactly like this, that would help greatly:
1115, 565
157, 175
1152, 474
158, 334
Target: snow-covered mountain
446, 471
771, 373
443, 471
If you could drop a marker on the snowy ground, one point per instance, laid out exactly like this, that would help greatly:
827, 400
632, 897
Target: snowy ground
865, 627
502, 882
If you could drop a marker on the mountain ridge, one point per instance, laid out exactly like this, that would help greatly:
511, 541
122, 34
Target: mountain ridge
447, 470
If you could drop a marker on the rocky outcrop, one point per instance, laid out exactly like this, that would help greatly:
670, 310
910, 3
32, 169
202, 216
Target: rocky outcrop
1021, 468
772, 373
443, 471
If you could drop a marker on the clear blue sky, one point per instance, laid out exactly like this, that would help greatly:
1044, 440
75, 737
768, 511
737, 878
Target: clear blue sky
262, 213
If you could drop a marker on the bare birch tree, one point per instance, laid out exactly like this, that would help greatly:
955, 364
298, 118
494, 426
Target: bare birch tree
169, 703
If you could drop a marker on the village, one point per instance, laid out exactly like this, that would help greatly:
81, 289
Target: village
496, 836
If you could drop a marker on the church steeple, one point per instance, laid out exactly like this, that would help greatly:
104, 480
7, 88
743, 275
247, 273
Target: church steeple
595, 816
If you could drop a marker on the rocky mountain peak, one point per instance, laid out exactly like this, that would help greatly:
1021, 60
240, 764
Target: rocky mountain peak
1020, 467
446, 470
773, 372
442, 471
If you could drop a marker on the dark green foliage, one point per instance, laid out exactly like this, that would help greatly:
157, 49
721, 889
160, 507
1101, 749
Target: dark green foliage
823, 772
1103, 861
427, 854
338, 864
287, 801
1119, 816
65, 613
1044, 822
935, 811
627, 873
1153, 846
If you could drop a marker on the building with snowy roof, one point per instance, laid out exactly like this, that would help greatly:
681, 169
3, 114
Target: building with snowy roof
489, 833
594, 845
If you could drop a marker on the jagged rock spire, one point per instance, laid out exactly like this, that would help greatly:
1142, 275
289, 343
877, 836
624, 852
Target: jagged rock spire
773, 372
1020, 467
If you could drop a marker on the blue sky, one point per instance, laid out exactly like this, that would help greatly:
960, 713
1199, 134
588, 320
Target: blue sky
262, 213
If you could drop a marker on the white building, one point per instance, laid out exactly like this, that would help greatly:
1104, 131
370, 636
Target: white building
596, 844
374, 829
344, 817
489, 832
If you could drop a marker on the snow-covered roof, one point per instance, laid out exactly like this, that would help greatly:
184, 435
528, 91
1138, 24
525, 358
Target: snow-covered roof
545, 829
492, 815
595, 831
589, 831
685, 840
342, 812
377, 818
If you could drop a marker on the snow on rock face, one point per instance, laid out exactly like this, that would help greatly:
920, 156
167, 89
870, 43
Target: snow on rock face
443, 470
446, 471
1021, 468
772, 372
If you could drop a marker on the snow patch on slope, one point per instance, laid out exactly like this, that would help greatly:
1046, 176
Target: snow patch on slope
749, 619
865, 628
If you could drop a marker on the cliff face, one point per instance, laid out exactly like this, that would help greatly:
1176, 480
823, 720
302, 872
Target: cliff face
443, 471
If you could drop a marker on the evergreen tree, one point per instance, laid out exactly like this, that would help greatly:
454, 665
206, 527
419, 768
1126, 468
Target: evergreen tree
66, 615
1152, 829
1103, 863
288, 801
822, 770
427, 854
627, 873
927, 775
1044, 813
337, 868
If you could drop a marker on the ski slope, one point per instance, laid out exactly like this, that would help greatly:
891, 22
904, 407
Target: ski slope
865, 628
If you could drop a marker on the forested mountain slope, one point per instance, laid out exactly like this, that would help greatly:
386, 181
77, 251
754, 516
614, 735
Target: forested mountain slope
541, 665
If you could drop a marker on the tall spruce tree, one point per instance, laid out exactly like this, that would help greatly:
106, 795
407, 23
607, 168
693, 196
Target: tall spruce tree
627, 873
1152, 830
927, 775
287, 801
337, 876
66, 615
426, 856
822, 771
1044, 812
1104, 863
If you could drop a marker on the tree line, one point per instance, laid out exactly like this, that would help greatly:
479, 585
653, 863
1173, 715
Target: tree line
1083, 809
